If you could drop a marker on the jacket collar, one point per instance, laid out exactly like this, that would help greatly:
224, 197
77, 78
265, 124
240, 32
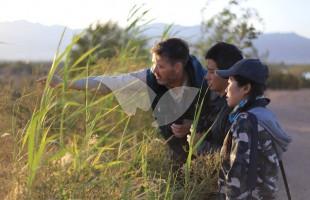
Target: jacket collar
243, 105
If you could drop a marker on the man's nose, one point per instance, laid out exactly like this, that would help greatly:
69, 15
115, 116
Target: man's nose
155, 69
226, 90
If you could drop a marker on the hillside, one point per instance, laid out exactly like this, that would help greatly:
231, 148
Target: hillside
22, 40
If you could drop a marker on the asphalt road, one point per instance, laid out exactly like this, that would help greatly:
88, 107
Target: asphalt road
293, 111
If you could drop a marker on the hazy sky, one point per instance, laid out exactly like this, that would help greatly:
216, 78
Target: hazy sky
278, 15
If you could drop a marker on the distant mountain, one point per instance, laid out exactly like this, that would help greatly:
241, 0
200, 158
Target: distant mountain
190, 33
284, 47
22, 40
280, 47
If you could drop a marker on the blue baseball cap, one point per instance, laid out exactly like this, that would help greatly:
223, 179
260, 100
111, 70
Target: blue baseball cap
252, 69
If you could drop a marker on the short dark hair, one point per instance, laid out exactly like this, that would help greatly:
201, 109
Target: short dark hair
175, 49
224, 54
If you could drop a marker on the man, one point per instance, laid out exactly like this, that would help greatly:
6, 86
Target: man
215, 111
174, 70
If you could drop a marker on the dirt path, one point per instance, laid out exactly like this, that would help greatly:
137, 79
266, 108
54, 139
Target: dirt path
293, 110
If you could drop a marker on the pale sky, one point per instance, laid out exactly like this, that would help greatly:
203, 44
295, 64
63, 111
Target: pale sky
278, 15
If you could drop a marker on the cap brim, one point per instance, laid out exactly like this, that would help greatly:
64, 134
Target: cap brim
225, 73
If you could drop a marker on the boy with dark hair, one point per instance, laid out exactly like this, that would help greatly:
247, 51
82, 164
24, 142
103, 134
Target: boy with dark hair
214, 114
253, 147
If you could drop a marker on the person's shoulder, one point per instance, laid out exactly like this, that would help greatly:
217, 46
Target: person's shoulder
243, 116
140, 74
245, 120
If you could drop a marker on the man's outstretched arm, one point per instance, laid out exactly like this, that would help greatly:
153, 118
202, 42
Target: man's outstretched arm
102, 84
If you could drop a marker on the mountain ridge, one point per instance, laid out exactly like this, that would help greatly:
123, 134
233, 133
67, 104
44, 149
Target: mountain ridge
23, 40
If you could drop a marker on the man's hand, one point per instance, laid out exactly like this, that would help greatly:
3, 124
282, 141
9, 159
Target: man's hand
56, 81
181, 130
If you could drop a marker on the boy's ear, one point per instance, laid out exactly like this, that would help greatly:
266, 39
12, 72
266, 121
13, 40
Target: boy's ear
247, 88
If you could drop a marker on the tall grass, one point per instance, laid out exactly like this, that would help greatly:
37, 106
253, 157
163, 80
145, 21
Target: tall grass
80, 145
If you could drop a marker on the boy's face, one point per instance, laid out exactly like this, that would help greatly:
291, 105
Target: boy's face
215, 82
236, 93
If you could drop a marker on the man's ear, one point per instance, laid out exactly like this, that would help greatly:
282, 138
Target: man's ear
178, 67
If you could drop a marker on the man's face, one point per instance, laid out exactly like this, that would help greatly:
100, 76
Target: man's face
164, 71
215, 82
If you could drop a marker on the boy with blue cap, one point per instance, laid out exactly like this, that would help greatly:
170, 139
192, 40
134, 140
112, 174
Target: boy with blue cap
253, 147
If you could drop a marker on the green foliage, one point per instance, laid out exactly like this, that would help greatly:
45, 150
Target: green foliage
110, 40
283, 76
80, 145
109, 36
76, 145
233, 24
